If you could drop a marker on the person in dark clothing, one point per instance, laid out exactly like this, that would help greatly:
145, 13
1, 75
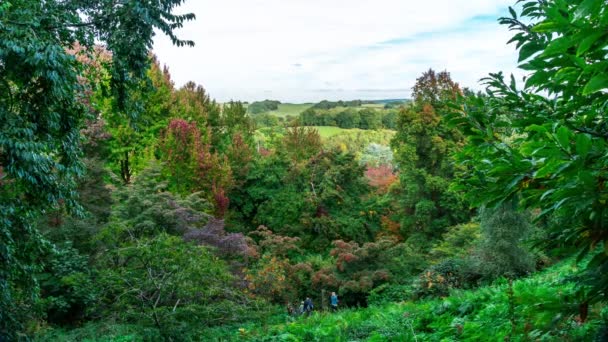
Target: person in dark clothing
308, 306
333, 301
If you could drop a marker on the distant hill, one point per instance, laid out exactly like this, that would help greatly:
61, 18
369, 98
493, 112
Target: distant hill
385, 101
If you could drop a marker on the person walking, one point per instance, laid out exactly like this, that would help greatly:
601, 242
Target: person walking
308, 306
333, 302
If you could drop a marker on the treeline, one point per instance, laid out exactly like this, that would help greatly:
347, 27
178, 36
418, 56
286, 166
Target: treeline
334, 104
366, 118
263, 106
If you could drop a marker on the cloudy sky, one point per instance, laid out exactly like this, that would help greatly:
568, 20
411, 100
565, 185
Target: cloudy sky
310, 50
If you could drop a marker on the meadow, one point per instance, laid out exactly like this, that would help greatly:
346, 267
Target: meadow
290, 109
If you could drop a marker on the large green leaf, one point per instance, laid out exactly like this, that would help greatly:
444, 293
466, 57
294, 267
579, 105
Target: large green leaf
586, 43
558, 45
595, 84
528, 50
563, 137
586, 8
583, 145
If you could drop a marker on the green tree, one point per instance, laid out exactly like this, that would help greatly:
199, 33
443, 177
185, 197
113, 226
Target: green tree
423, 146
370, 119
168, 284
41, 113
545, 144
501, 251
348, 118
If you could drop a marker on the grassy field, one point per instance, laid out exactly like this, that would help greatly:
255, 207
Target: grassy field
331, 131
293, 109
373, 105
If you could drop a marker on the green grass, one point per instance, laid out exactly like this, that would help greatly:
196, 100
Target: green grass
292, 109
330, 131
373, 105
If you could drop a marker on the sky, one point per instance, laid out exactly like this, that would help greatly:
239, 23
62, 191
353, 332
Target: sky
311, 50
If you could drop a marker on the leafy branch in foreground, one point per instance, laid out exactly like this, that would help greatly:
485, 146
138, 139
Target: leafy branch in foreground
545, 145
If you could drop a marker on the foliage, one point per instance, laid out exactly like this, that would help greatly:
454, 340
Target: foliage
329, 104
375, 155
459, 241
145, 208
348, 117
191, 163
501, 252
41, 114
381, 177
168, 284
469, 315
358, 269
300, 143
423, 146
214, 235
545, 144
67, 285
263, 106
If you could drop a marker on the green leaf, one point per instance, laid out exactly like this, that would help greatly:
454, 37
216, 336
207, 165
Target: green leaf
563, 137
595, 84
586, 43
547, 26
549, 168
528, 50
587, 7
512, 11
536, 128
558, 46
583, 145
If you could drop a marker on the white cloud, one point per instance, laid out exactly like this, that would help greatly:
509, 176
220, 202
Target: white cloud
296, 50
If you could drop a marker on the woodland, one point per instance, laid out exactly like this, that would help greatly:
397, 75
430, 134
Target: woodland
133, 209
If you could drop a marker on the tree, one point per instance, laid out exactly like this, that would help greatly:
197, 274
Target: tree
133, 141
544, 145
191, 164
423, 146
260, 107
370, 119
357, 270
434, 89
163, 282
501, 253
389, 120
300, 143
41, 113
348, 118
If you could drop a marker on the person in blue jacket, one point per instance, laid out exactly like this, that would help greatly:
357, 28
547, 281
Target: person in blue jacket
333, 301
308, 306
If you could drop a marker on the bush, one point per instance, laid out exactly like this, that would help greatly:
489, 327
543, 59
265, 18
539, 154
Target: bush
501, 251
440, 279
389, 293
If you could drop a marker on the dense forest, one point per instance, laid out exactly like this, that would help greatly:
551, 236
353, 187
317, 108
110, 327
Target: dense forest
132, 209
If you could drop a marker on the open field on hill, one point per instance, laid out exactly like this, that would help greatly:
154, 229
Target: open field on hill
291, 109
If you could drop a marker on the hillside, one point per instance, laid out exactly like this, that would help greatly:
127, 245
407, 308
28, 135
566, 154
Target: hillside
543, 308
